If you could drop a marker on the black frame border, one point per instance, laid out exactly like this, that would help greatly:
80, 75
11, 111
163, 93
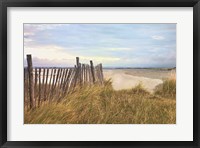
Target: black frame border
4, 4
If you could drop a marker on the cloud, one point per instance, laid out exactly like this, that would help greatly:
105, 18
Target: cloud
132, 45
26, 40
99, 59
31, 30
28, 34
59, 56
117, 49
43, 26
51, 52
157, 37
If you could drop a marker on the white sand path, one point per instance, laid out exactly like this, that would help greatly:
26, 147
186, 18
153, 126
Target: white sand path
120, 80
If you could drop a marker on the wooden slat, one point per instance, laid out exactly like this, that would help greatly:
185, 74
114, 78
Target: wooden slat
26, 87
87, 73
84, 78
43, 77
43, 82
75, 78
31, 87
39, 79
35, 88
62, 78
80, 74
50, 83
45, 89
66, 82
92, 79
53, 83
71, 80
57, 77
96, 74
65, 79
99, 74
101, 70
64, 85
56, 82
58, 90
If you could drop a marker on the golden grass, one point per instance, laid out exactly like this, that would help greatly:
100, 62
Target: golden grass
103, 105
168, 88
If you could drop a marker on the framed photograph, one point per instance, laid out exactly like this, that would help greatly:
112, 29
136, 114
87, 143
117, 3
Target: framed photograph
99, 73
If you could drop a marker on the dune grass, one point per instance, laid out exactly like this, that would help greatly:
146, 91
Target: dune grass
103, 105
168, 88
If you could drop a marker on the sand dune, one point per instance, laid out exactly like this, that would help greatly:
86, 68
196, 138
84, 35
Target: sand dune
121, 80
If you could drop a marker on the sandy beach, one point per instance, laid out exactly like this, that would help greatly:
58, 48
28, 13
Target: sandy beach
129, 78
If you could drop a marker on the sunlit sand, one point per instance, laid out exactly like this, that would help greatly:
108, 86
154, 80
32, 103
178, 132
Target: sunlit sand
127, 79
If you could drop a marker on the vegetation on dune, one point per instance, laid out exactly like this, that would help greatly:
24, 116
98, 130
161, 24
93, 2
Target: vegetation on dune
168, 88
103, 105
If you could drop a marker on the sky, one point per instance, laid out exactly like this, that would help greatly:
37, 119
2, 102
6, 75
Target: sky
113, 45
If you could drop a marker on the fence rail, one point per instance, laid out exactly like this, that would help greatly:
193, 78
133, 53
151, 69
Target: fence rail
53, 83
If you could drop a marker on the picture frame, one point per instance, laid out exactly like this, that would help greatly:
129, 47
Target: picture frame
99, 3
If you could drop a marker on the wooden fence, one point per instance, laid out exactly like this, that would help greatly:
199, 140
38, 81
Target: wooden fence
53, 83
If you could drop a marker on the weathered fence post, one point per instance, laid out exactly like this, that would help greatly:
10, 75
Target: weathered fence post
77, 61
92, 70
101, 69
31, 88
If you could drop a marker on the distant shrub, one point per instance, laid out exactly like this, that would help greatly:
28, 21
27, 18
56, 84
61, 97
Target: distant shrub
139, 89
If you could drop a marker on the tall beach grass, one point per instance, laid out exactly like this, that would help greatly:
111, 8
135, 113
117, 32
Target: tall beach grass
103, 105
